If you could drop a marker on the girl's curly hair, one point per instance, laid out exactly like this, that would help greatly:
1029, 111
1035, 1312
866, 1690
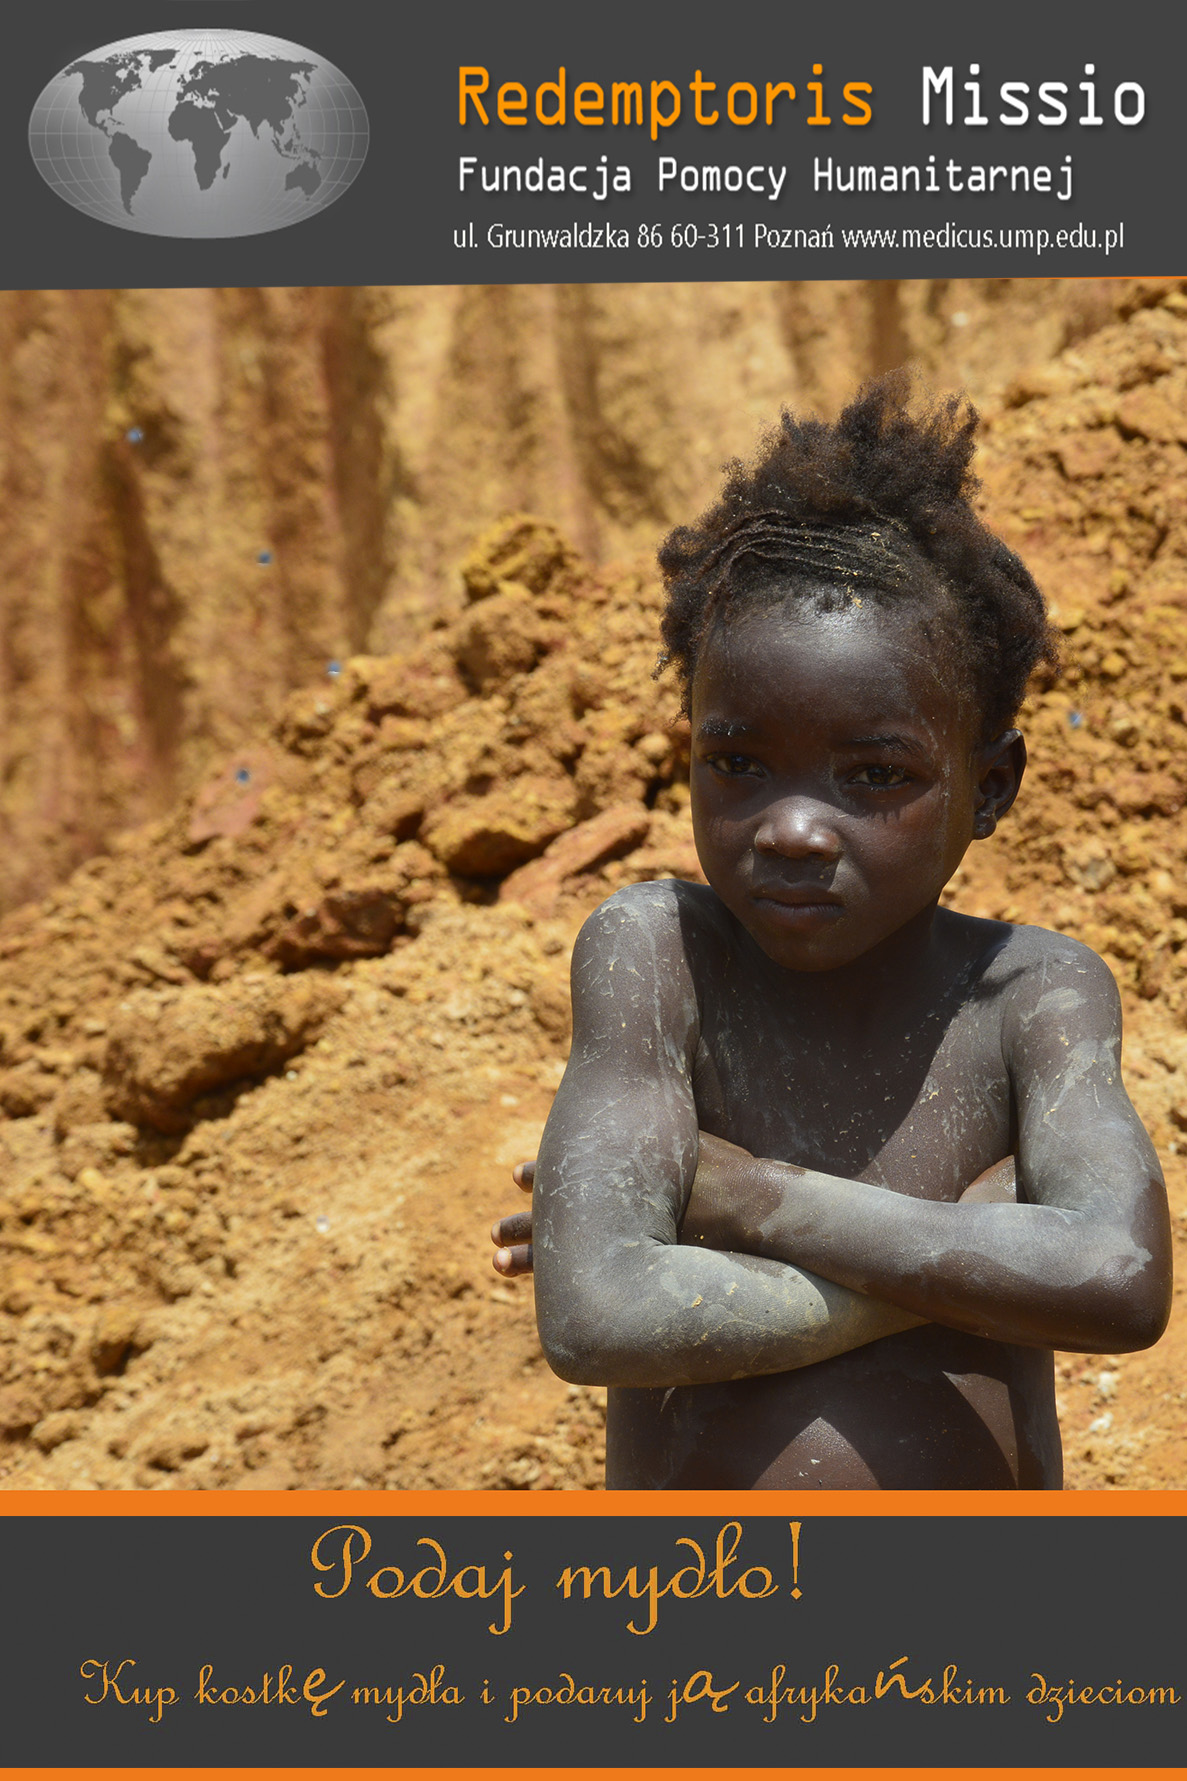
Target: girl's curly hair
878, 503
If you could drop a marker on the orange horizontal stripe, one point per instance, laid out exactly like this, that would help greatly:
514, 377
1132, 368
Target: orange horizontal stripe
763, 1774
509, 1505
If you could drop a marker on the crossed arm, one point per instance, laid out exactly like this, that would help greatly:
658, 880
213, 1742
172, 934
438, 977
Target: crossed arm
627, 1296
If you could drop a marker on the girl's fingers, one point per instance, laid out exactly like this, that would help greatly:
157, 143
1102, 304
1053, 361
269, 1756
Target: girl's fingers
513, 1259
515, 1228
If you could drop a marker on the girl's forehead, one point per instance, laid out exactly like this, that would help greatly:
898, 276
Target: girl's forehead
860, 655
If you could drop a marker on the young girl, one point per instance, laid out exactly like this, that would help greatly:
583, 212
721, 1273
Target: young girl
771, 1207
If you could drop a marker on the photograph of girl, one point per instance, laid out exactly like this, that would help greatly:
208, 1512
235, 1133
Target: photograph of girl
330, 724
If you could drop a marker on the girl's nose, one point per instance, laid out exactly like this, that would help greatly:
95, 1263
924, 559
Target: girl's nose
798, 828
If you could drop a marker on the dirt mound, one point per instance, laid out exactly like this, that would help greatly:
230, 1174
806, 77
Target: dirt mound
210, 494
1085, 474
265, 1065
250, 1058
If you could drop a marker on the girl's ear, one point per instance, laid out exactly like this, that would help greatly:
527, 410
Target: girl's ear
1000, 766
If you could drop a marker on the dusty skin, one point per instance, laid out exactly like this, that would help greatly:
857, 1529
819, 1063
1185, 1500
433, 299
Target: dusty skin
835, 1316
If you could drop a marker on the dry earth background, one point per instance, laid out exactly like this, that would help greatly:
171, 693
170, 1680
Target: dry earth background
315, 750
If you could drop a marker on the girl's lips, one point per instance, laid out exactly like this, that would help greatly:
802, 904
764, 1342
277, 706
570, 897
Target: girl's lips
796, 908
802, 897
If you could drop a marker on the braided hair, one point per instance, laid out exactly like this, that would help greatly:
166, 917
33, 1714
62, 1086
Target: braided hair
877, 504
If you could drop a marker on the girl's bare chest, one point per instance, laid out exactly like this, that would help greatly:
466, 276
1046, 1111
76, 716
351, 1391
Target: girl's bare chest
924, 1108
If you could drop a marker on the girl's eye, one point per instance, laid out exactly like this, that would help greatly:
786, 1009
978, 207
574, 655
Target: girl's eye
733, 766
882, 777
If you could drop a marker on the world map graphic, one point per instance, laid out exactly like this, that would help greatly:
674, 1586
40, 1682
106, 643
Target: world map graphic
197, 133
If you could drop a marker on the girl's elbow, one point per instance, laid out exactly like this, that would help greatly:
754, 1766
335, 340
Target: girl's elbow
1133, 1312
598, 1343
577, 1362
1143, 1326
584, 1345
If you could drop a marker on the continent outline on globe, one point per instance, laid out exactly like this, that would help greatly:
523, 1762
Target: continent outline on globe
203, 133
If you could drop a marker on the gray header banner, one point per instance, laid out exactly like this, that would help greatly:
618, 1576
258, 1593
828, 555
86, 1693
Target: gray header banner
253, 143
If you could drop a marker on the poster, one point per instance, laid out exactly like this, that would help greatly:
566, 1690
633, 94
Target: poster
529, 194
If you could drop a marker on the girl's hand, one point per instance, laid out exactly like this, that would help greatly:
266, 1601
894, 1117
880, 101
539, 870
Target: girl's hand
512, 1236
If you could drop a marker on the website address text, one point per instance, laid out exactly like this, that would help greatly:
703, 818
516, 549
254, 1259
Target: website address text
1085, 236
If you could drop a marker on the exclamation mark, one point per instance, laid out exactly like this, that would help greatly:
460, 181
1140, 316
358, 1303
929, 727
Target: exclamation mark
796, 1591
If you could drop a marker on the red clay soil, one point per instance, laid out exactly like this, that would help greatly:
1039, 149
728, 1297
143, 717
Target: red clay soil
210, 494
264, 1066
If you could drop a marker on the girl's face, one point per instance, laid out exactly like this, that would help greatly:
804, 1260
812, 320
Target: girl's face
836, 780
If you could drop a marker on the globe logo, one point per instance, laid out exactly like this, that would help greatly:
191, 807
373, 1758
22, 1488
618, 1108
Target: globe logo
199, 133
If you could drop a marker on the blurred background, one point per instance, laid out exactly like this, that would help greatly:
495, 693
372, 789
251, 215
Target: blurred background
208, 494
